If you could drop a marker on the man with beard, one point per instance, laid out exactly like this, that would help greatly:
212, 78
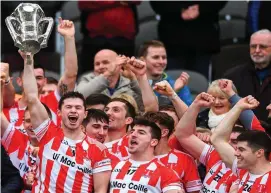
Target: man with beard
256, 76
69, 160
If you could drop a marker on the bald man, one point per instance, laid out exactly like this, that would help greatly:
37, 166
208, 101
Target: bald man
107, 79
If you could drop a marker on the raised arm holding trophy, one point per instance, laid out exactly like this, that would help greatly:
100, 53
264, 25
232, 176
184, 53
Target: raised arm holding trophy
29, 28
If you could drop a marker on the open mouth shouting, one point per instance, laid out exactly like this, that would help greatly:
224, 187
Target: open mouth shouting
73, 119
133, 143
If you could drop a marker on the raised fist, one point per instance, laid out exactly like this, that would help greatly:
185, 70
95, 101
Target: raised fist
204, 100
248, 102
164, 88
138, 67
115, 66
66, 28
226, 86
181, 81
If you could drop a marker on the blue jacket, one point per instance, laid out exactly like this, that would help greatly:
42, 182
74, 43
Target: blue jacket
184, 93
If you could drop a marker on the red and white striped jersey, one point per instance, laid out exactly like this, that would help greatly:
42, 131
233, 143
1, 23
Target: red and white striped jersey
218, 178
66, 165
119, 147
19, 150
153, 177
15, 115
252, 183
186, 168
51, 100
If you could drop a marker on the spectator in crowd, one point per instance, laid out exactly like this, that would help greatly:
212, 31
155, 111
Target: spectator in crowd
66, 148
257, 16
183, 164
50, 86
131, 173
190, 32
154, 54
97, 101
255, 78
66, 83
107, 25
107, 78
250, 159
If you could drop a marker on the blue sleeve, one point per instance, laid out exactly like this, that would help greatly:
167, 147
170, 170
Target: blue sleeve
185, 95
246, 116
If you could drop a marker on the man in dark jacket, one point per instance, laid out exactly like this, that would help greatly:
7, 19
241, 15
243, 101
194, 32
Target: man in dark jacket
190, 32
11, 180
255, 78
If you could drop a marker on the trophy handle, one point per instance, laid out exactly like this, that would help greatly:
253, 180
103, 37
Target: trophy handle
46, 35
12, 32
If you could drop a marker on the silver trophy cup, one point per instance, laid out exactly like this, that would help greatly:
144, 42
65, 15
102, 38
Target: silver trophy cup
29, 28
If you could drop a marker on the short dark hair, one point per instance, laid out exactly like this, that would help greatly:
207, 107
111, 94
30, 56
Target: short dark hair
97, 99
71, 95
143, 49
36, 66
161, 118
239, 129
51, 80
130, 109
97, 115
46, 108
256, 140
155, 130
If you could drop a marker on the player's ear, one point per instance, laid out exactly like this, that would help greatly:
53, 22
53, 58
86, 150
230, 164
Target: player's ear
164, 132
154, 142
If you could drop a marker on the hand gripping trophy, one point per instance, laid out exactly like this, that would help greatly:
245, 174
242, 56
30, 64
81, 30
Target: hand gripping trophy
29, 28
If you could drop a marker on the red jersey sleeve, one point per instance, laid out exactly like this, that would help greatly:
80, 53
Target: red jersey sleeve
170, 180
175, 144
100, 155
46, 131
13, 139
191, 177
209, 156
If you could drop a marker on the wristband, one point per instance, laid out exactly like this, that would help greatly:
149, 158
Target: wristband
173, 96
7, 81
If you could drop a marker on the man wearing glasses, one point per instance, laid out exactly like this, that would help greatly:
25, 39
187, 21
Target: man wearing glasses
255, 78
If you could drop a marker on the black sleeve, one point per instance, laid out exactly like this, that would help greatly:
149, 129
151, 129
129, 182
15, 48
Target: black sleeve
11, 181
211, 7
202, 119
165, 7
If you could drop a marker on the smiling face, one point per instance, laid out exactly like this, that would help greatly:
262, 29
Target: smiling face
156, 60
28, 125
140, 140
97, 130
102, 60
117, 114
260, 48
246, 157
72, 113
221, 104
